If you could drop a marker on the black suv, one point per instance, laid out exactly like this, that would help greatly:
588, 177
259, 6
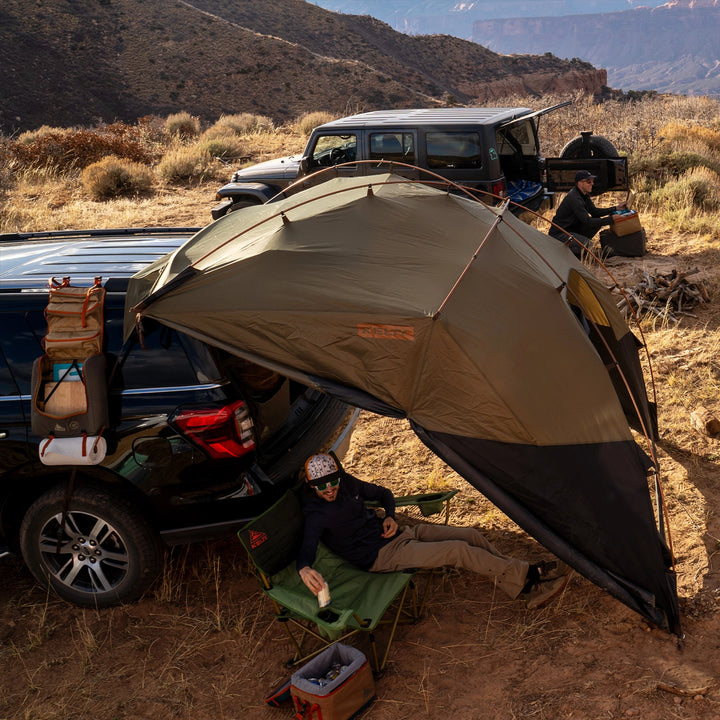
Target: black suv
493, 152
199, 441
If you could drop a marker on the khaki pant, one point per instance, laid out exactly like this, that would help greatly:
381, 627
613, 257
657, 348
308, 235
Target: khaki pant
431, 546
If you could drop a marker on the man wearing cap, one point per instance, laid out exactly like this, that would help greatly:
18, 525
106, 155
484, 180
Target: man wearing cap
335, 513
577, 216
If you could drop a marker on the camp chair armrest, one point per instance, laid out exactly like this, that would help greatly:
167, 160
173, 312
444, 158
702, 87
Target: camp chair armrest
428, 503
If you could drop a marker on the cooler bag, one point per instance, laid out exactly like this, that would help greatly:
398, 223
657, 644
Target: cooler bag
335, 685
625, 223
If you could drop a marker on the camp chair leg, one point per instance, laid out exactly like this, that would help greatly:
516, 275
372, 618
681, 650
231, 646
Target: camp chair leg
373, 648
392, 630
426, 591
301, 655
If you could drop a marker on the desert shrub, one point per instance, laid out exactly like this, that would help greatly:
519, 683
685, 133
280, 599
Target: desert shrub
30, 136
184, 164
245, 123
665, 167
692, 135
696, 189
150, 130
182, 125
112, 176
67, 150
224, 145
6, 172
309, 121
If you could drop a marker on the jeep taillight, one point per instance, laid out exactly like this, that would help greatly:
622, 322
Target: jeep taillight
224, 432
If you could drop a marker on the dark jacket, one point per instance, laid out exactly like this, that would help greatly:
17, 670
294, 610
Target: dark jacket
345, 525
577, 214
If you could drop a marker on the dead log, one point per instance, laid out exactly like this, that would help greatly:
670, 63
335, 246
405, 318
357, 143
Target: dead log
664, 295
705, 422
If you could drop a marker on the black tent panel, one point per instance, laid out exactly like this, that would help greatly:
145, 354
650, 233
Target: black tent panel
582, 503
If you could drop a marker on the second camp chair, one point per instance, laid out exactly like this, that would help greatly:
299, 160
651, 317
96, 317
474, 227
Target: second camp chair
359, 600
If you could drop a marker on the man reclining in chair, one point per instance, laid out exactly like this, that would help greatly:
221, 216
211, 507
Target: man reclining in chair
335, 513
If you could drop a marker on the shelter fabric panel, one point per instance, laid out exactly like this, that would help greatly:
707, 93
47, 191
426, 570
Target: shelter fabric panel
588, 504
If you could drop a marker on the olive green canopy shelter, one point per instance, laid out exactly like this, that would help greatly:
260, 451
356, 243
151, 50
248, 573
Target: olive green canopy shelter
510, 360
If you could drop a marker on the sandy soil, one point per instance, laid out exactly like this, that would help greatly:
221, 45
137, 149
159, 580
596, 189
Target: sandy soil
201, 644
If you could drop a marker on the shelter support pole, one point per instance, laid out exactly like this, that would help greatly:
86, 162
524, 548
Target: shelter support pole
498, 220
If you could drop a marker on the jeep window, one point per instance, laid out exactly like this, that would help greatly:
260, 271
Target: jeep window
453, 150
517, 138
333, 150
393, 146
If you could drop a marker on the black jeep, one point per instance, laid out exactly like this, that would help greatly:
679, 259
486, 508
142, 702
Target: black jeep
199, 441
493, 152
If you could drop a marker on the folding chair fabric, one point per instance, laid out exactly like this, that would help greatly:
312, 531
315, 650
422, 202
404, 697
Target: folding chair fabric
359, 598
273, 538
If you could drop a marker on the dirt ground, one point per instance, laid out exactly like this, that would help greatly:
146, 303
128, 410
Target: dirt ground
201, 644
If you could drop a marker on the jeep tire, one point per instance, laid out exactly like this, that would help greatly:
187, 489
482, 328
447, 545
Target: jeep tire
598, 146
108, 552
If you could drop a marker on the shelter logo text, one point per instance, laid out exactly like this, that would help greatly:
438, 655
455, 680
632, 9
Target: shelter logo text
386, 332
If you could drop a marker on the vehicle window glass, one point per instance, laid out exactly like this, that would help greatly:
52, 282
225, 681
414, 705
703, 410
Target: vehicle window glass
516, 138
333, 150
393, 146
453, 150
23, 331
7, 384
162, 362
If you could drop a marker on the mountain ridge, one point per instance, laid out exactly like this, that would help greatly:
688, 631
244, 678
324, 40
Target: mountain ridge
636, 41
686, 30
76, 63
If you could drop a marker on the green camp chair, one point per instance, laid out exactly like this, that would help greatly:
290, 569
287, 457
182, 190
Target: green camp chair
359, 600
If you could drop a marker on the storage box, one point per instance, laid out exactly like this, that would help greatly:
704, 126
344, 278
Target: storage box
626, 223
632, 245
335, 685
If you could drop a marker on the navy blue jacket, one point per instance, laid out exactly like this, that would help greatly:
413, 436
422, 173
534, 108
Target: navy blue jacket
345, 525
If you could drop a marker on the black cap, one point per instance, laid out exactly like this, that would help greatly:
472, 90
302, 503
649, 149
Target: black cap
584, 175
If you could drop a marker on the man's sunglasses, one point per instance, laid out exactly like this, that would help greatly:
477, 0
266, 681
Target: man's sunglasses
322, 487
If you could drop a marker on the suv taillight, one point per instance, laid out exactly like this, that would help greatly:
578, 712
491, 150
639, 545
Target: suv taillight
225, 432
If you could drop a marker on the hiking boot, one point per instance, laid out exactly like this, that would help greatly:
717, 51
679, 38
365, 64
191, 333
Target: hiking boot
542, 592
550, 569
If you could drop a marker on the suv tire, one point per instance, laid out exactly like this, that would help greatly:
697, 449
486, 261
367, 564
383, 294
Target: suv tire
598, 146
108, 554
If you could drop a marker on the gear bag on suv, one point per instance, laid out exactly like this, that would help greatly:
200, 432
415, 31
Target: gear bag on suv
69, 389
